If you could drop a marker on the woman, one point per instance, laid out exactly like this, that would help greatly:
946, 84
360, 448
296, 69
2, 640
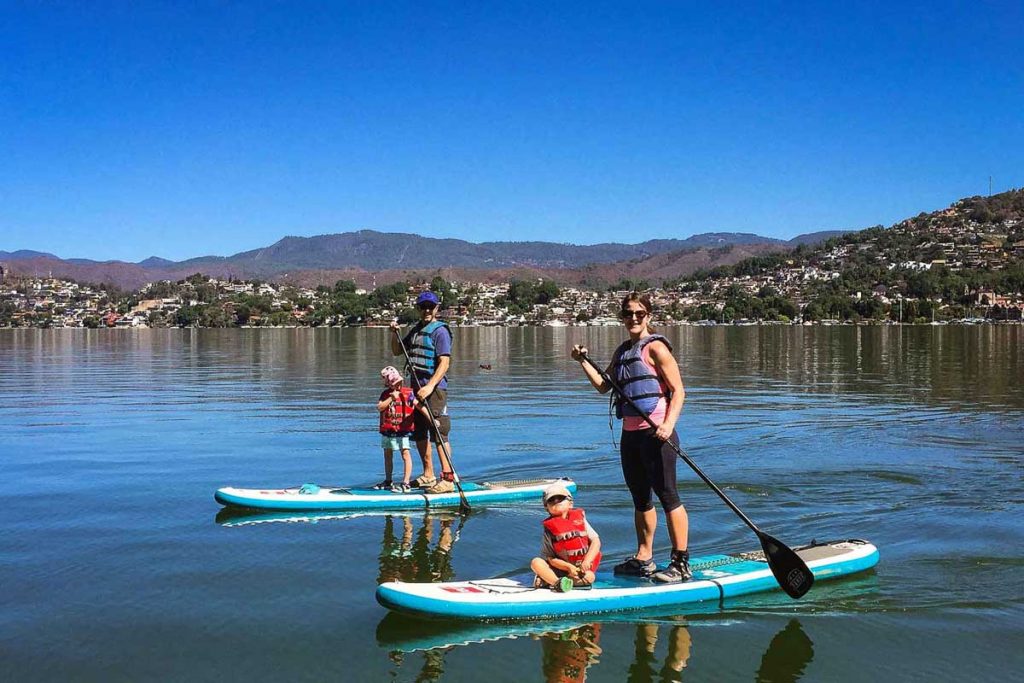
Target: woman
643, 366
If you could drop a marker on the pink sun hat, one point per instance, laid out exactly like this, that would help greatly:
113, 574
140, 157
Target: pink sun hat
391, 376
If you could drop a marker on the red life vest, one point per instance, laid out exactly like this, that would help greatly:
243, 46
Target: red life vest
569, 537
397, 418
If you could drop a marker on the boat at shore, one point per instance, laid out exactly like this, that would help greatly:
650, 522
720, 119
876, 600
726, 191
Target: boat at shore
715, 578
320, 497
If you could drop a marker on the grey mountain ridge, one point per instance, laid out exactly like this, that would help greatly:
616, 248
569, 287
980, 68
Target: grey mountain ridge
373, 251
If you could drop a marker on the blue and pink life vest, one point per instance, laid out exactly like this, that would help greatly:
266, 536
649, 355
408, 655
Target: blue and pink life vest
637, 379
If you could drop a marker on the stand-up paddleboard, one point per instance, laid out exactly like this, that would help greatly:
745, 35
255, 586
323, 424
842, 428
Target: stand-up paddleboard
314, 497
715, 578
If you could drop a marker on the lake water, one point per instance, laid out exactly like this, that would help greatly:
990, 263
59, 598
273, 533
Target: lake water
115, 565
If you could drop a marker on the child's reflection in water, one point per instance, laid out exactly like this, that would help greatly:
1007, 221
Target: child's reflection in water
411, 555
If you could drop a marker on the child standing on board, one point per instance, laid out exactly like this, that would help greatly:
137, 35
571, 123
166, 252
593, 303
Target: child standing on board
571, 549
396, 406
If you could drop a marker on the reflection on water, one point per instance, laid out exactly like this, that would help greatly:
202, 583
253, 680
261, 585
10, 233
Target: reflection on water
662, 650
566, 656
645, 667
787, 657
416, 546
983, 363
419, 549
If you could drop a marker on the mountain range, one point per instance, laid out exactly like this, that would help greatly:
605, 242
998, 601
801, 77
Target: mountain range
371, 257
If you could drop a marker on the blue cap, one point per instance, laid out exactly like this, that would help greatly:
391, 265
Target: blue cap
427, 297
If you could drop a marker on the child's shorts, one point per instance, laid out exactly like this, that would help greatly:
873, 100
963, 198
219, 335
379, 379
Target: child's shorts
394, 442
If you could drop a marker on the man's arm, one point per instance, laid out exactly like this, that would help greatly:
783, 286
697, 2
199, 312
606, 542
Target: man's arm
396, 348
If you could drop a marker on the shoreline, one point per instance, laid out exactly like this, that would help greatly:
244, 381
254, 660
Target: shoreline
872, 323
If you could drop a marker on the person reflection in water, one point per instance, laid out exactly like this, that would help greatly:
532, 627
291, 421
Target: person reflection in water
411, 555
566, 656
644, 665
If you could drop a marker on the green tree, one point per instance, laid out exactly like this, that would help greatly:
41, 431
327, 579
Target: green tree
545, 292
187, 316
408, 315
386, 296
443, 289
345, 287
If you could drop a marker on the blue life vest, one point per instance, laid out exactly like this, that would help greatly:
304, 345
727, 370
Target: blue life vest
637, 380
421, 349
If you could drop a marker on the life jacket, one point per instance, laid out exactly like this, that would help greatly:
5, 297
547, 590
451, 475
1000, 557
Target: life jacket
569, 537
637, 379
420, 345
397, 418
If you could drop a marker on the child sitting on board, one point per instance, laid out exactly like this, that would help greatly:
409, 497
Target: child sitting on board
396, 405
571, 549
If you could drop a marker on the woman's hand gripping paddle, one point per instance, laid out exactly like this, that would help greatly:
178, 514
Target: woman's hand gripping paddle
790, 571
441, 443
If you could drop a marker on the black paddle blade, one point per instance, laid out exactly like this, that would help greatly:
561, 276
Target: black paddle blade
790, 571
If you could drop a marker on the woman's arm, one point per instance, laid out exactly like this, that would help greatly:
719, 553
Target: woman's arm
665, 363
578, 352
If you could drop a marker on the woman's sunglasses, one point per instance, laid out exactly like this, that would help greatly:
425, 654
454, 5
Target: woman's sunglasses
639, 315
554, 500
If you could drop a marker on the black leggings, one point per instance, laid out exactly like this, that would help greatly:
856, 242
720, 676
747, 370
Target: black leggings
648, 463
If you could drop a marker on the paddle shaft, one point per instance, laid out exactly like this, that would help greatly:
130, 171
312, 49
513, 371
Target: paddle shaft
442, 445
679, 451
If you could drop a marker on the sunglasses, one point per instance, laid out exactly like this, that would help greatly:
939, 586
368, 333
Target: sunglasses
639, 315
554, 500
426, 306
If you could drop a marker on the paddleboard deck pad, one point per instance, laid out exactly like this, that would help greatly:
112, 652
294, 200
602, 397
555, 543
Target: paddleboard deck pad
315, 497
715, 577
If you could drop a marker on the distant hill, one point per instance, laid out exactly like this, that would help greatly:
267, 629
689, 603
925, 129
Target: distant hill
374, 251
23, 254
366, 253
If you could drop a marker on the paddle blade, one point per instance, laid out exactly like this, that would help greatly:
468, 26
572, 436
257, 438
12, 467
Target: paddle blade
790, 571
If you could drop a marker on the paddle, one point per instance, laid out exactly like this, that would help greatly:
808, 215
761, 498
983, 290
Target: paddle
790, 571
441, 443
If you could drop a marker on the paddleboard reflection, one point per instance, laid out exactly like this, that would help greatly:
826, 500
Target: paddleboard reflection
569, 651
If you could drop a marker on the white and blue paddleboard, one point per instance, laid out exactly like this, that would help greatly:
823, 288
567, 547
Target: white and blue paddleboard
715, 578
314, 497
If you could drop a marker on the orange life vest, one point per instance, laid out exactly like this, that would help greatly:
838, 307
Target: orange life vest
569, 537
397, 418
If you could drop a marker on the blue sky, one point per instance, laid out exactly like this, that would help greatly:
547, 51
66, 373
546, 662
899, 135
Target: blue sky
183, 129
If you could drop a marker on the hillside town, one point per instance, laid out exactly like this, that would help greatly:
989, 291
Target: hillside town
963, 264
207, 302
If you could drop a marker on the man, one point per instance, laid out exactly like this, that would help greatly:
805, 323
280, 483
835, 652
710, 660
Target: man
429, 344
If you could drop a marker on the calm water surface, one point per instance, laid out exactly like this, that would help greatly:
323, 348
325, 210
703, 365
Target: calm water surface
116, 566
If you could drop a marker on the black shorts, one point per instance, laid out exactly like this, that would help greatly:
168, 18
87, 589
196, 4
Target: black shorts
649, 464
438, 402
